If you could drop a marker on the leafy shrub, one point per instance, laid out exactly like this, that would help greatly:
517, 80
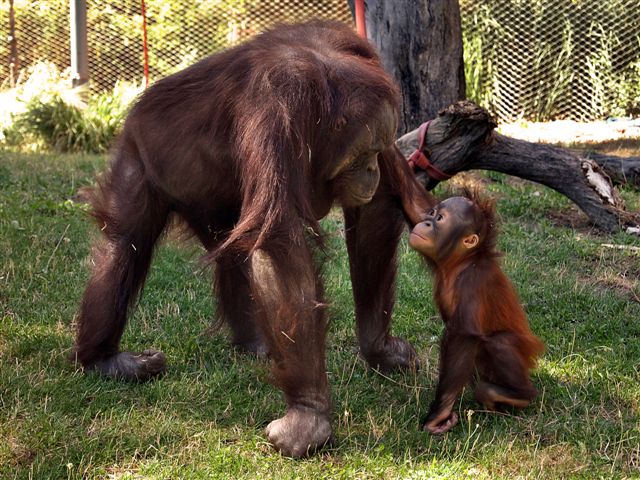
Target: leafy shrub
53, 122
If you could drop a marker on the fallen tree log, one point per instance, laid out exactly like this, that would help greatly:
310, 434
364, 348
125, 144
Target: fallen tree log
462, 138
621, 170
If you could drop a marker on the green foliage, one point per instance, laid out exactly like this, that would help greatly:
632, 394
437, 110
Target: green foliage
205, 418
182, 32
544, 59
179, 32
49, 21
52, 122
58, 124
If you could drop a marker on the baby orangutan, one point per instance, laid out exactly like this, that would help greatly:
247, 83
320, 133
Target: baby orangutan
487, 336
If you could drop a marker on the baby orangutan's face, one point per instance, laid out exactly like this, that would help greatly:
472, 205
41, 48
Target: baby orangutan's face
446, 231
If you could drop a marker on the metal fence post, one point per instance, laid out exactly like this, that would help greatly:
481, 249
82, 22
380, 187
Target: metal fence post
79, 50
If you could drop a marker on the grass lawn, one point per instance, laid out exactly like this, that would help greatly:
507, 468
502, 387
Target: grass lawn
205, 417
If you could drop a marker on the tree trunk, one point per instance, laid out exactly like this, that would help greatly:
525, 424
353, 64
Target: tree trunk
462, 138
420, 44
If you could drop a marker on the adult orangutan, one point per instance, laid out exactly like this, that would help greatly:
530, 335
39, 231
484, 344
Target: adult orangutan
250, 148
487, 336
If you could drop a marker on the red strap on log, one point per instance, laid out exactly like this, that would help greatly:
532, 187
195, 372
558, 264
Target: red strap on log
420, 160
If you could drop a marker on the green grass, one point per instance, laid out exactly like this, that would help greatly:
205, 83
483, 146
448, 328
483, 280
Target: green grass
205, 417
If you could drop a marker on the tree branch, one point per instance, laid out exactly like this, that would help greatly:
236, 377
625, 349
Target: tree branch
462, 138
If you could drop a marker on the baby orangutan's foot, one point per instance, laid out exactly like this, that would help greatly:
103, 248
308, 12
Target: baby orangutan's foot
493, 396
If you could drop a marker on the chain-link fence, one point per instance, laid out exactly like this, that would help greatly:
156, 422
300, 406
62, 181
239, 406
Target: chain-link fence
534, 59
541, 59
179, 32
40, 33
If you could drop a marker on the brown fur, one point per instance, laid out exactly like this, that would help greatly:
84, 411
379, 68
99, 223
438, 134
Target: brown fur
250, 148
486, 329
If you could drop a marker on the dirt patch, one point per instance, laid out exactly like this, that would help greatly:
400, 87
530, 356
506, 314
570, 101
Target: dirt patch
614, 271
572, 218
626, 147
613, 284
473, 179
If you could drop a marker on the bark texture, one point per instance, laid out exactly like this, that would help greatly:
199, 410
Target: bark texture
420, 44
621, 170
461, 138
